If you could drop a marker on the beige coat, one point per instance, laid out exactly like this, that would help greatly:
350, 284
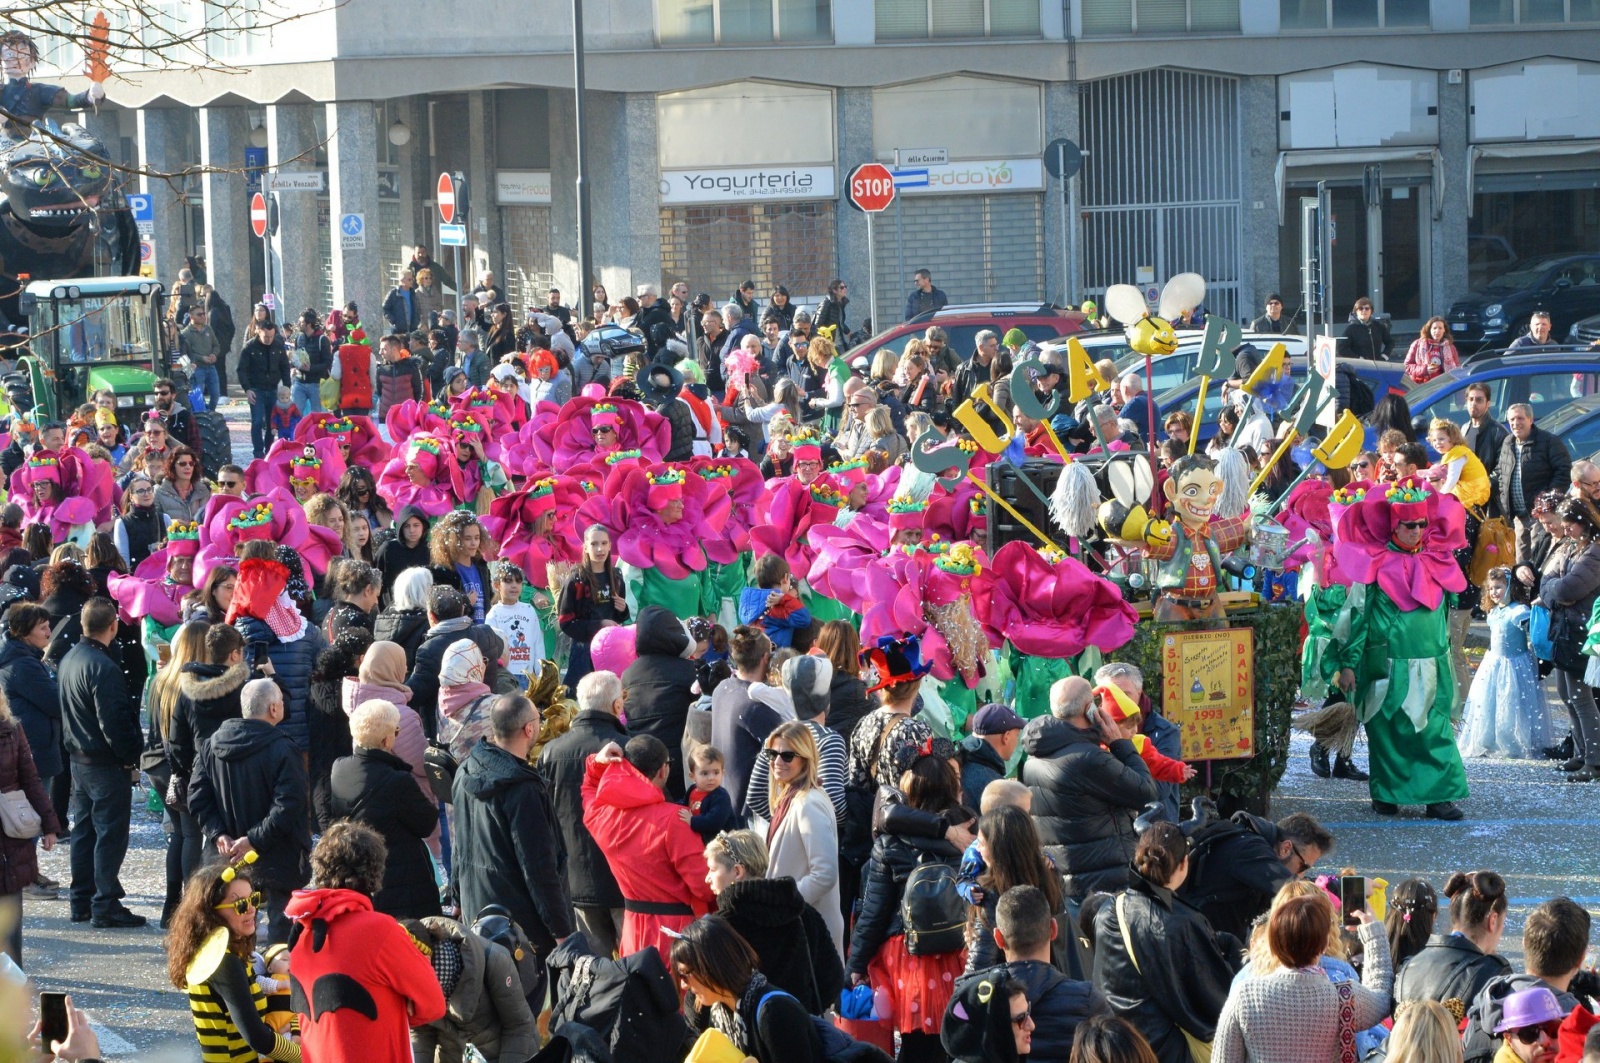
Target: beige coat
805, 847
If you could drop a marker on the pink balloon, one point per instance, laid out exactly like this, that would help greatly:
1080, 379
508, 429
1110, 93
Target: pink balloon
613, 649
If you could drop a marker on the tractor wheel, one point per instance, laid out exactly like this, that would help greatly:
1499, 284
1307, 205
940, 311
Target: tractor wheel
216, 443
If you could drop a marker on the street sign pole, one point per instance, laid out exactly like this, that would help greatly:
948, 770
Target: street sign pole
1066, 214
872, 272
870, 189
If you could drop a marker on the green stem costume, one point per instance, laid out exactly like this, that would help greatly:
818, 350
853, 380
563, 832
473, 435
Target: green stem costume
1327, 619
1404, 694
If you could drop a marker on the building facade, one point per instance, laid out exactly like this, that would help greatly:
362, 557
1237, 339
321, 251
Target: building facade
1454, 136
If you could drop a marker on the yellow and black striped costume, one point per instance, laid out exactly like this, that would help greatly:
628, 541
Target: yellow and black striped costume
221, 1041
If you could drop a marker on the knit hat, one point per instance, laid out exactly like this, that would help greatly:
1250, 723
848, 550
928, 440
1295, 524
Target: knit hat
463, 663
1015, 338
808, 679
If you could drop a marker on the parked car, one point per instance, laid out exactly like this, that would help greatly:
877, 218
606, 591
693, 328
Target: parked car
1382, 376
1546, 383
1577, 424
1565, 286
1585, 333
961, 324
1168, 371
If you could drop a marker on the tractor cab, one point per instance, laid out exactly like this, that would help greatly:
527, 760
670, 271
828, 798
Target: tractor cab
85, 335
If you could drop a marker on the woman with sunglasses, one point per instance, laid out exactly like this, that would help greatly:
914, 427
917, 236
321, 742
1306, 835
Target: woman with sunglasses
208, 957
183, 492
359, 492
718, 970
802, 836
140, 529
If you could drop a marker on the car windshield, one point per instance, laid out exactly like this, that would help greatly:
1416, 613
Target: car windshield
95, 329
1523, 274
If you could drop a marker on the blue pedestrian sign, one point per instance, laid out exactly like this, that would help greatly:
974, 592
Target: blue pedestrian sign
452, 235
353, 232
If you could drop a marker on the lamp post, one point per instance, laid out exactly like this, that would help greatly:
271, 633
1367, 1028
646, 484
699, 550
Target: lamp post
585, 274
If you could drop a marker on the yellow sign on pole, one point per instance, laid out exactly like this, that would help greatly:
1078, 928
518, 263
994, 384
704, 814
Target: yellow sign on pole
1208, 690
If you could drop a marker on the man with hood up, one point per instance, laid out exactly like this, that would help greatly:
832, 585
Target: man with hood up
249, 793
659, 686
484, 1004
408, 549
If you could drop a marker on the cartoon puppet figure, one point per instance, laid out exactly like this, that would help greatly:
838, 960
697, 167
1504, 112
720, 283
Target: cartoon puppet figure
23, 99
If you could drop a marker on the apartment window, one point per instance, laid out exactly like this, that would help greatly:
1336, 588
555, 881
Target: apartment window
1533, 12
910, 20
744, 21
1118, 18
1354, 14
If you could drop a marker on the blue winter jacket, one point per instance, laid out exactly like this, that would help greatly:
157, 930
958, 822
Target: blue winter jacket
292, 664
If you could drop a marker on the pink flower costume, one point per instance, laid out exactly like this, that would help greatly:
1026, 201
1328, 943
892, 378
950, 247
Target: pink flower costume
1048, 610
274, 515
82, 492
299, 468
447, 484
358, 437
406, 419
839, 569
546, 560
729, 552
148, 593
659, 517
569, 439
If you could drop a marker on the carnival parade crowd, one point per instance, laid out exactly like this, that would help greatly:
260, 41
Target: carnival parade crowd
660, 698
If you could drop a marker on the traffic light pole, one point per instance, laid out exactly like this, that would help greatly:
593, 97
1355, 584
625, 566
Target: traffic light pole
586, 278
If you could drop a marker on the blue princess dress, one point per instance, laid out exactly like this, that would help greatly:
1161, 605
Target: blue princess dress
1505, 715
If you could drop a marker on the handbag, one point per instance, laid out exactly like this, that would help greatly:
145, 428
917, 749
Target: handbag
1496, 548
18, 818
440, 765
1539, 633
1199, 1051
1567, 635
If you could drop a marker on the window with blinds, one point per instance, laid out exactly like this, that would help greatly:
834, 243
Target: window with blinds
1118, 18
905, 20
1373, 14
743, 21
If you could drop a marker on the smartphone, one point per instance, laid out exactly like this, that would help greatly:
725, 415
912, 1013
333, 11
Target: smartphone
1352, 896
52, 1018
258, 654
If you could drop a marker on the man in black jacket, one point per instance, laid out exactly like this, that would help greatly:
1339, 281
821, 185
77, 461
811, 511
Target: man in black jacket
1024, 929
659, 686
249, 794
102, 732
660, 384
448, 621
996, 730
1485, 436
1532, 461
1088, 783
652, 312
508, 847
1236, 866
263, 367
596, 898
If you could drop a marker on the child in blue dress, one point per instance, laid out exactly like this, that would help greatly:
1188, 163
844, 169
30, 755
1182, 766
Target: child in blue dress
1505, 716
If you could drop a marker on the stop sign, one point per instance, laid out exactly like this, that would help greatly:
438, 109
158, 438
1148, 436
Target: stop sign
871, 187
447, 198
258, 214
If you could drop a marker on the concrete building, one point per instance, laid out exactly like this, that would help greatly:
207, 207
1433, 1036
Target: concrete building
1455, 135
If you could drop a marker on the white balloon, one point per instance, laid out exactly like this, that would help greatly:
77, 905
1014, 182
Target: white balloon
1125, 303
1183, 292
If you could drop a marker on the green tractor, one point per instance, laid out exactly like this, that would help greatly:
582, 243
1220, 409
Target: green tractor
92, 333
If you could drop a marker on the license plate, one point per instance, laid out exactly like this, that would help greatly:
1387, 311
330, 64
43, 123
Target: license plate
1458, 326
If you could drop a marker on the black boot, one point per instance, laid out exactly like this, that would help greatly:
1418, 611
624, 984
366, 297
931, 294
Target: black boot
1345, 768
1562, 750
1319, 761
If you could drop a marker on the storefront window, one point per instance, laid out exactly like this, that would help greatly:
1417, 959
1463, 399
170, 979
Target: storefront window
1112, 18
1360, 14
1533, 12
899, 20
743, 21
715, 248
1510, 223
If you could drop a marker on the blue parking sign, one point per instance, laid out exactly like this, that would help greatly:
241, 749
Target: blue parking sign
139, 203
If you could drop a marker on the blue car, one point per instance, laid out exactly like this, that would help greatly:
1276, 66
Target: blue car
1382, 376
1546, 383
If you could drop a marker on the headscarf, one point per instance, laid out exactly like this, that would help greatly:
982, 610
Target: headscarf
385, 666
461, 678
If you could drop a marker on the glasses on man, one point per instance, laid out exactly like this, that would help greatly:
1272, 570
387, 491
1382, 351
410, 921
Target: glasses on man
242, 905
163, 394
230, 485
1529, 1035
601, 430
785, 755
1305, 865
1413, 525
1589, 484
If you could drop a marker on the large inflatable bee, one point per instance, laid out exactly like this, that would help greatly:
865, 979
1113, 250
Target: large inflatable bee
1153, 333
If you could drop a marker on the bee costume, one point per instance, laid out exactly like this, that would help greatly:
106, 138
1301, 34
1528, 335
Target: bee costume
228, 1008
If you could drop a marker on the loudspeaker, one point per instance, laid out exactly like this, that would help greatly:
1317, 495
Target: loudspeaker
1005, 480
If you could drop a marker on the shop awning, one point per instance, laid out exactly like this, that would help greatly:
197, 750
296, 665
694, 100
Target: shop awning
1306, 159
1531, 149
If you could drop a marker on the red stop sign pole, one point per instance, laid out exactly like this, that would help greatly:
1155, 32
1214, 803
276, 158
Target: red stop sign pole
870, 189
447, 198
258, 225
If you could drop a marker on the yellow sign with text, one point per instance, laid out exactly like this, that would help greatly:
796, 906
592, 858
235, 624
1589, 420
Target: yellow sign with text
1208, 690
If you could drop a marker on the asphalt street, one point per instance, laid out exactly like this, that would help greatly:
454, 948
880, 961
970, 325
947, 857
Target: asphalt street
1522, 820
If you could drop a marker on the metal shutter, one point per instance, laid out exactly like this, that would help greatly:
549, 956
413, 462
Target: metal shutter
979, 249
325, 252
715, 249
391, 233
526, 250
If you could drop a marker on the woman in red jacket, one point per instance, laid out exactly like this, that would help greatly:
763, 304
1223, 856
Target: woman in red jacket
1432, 353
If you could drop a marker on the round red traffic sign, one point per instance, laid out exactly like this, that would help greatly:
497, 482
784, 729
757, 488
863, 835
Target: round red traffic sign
258, 214
871, 187
447, 199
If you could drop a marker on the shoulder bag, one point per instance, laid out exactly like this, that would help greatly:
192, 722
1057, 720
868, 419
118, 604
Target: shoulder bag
17, 816
1199, 1051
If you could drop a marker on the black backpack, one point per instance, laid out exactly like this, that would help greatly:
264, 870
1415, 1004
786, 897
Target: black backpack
933, 913
440, 765
837, 1046
632, 1003
1362, 400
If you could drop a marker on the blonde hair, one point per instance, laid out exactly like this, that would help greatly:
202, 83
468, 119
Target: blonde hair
1262, 961
879, 422
188, 647
798, 736
739, 848
1451, 430
1424, 1032
67, 552
884, 364
822, 351
1003, 793
372, 722
318, 507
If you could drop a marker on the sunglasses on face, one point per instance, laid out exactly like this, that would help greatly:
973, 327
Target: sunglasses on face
785, 755
1023, 1019
601, 431
242, 905
163, 394
1529, 1035
1361, 464
229, 485
1413, 525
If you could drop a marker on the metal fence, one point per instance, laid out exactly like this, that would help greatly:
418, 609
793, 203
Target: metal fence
1163, 182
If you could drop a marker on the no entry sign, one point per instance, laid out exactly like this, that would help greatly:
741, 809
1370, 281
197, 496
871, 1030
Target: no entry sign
258, 214
447, 199
871, 187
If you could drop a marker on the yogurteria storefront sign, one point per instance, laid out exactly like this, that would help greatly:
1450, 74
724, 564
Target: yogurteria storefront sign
1000, 175
751, 184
